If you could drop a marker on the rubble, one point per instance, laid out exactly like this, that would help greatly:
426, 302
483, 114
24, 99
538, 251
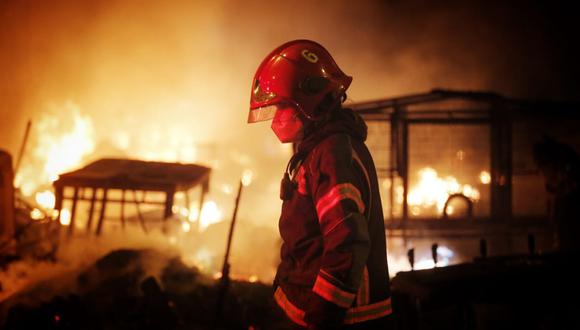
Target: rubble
119, 292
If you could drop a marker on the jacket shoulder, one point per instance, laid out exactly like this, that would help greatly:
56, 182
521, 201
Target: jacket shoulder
337, 146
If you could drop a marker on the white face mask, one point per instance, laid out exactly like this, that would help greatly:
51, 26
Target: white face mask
287, 125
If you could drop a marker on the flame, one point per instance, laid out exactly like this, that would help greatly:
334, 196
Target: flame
185, 226
210, 214
45, 199
247, 177
484, 177
36, 214
60, 146
65, 217
65, 152
228, 189
433, 191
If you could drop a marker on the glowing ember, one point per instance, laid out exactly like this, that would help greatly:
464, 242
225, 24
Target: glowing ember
210, 214
484, 177
247, 177
253, 279
184, 212
36, 214
65, 217
227, 189
45, 199
432, 191
185, 226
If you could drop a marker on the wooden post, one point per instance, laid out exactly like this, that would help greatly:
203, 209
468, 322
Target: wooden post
123, 208
168, 204
91, 209
102, 214
6, 203
73, 211
58, 195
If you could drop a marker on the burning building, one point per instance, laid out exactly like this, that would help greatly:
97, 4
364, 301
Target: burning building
483, 175
459, 167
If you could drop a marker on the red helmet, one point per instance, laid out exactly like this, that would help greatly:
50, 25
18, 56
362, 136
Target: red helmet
298, 74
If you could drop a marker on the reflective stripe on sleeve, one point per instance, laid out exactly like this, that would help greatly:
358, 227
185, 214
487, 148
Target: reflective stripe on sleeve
353, 315
368, 312
332, 293
293, 312
335, 195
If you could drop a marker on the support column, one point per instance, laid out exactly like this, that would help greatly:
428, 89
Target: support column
102, 214
6, 203
73, 211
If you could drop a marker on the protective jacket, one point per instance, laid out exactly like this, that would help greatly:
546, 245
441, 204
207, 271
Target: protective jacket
333, 266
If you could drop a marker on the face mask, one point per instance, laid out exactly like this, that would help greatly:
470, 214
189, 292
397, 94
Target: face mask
287, 125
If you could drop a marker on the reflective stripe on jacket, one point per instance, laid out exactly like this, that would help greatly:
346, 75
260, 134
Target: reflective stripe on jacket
333, 234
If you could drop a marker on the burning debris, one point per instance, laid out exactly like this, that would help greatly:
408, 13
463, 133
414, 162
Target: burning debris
108, 176
144, 289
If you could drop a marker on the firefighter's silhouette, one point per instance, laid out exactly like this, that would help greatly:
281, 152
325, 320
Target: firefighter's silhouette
333, 271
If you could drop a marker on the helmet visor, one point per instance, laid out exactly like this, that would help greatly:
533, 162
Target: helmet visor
262, 113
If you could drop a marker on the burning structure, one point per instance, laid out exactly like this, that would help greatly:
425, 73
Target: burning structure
458, 165
473, 170
137, 177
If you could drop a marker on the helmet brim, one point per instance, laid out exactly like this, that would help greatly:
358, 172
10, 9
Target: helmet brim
262, 113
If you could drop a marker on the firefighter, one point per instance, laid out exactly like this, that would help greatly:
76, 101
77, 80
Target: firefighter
333, 271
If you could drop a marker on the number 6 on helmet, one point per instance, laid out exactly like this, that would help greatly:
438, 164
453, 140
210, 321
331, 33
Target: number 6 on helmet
298, 75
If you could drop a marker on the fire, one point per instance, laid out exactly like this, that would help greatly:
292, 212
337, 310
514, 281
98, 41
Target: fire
66, 152
45, 199
65, 217
484, 177
227, 189
210, 214
60, 146
400, 263
36, 214
433, 191
247, 177
185, 226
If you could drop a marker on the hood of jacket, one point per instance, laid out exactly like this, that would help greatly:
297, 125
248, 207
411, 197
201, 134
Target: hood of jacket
342, 120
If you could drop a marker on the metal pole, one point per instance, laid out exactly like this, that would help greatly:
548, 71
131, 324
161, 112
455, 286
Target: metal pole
225, 279
23, 146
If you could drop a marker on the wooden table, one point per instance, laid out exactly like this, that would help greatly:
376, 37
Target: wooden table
129, 175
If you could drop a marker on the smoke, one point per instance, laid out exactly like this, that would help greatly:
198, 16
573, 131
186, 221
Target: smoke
76, 254
253, 255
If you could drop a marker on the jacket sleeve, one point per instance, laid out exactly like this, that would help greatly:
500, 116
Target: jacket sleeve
337, 187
